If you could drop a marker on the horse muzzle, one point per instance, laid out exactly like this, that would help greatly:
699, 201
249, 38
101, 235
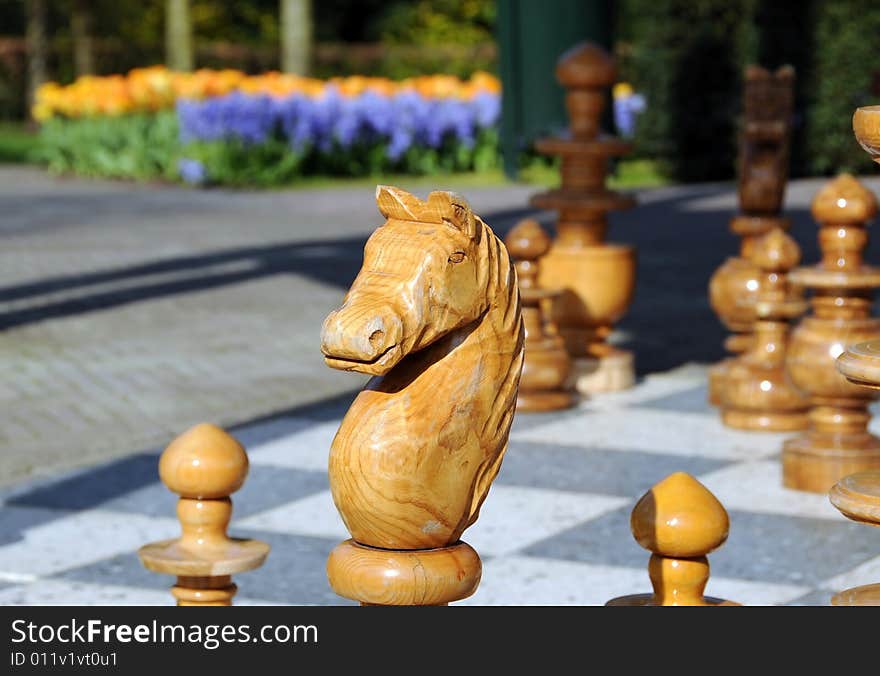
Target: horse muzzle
354, 338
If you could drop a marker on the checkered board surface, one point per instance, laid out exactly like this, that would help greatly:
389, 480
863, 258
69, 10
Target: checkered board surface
554, 529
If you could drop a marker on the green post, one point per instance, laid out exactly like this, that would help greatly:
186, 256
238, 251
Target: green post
532, 34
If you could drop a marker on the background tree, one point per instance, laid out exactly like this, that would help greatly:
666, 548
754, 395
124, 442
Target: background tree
296, 36
37, 46
178, 35
81, 22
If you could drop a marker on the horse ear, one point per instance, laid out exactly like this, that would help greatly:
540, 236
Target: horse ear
454, 210
396, 203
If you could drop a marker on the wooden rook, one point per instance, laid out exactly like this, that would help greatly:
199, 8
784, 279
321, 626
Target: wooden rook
434, 316
679, 521
597, 277
837, 442
763, 173
758, 394
543, 385
204, 466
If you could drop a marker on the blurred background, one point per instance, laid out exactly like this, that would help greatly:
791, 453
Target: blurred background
680, 71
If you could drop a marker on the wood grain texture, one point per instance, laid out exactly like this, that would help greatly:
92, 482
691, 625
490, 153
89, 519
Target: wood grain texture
757, 392
597, 279
544, 382
204, 465
837, 442
679, 521
762, 176
866, 127
434, 314
430, 577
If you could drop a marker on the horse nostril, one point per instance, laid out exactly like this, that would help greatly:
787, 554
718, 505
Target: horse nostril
377, 338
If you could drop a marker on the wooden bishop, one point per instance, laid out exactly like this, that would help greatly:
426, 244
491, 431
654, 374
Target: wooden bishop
679, 521
837, 442
758, 394
543, 386
204, 466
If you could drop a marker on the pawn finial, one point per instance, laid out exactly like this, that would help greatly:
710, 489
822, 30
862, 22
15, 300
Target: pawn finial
204, 466
679, 521
585, 71
844, 200
527, 242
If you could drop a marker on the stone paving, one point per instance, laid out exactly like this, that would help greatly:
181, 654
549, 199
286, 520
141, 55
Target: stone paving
130, 312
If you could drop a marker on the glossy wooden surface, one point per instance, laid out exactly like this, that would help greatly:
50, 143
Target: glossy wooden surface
860, 364
434, 314
597, 279
762, 176
758, 394
427, 577
204, 466
680, 521
545, 375
866, 126
837, 442
857, 496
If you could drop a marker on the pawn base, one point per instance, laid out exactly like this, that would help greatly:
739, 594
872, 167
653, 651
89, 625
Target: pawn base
611, 372
815, 462
868, 595
765, 421
648, 600
718, 381
393, 577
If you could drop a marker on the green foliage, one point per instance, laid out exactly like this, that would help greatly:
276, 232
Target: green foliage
131, 146
145, 147
440, 22
684, 56
845, 77
17, 145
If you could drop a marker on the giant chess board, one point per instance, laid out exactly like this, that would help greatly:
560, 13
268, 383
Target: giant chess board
554, 529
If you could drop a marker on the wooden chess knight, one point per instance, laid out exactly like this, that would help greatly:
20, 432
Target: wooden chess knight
763, 173
434, 315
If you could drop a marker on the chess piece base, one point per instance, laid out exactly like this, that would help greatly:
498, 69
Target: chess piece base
648, 600
765, 421
535, 402
815, 462
394, 577
867, 595
717, 380
611, 372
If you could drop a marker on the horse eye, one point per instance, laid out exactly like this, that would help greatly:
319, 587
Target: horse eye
457, 257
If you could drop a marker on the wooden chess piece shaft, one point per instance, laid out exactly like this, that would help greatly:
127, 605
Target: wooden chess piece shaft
763, 174
204, 466
434, 315
679, 521
838, 442
597, 277
758, 394
543, 385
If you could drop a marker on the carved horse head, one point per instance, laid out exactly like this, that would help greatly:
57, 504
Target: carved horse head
421, 278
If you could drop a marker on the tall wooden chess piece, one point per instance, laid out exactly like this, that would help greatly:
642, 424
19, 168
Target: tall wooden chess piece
543, 386
838, 442
763, 173
598, 277
434, 315
204, 466
759, 394
679, 521
857, 496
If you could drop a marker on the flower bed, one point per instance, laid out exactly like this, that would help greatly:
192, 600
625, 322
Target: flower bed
226, 127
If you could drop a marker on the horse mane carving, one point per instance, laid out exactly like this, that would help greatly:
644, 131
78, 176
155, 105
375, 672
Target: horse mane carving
434, 316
